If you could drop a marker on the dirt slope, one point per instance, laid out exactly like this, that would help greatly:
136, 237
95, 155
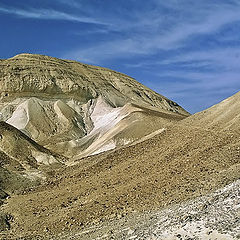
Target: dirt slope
23, 164
212, 216
20, 147
181, 163
224, 116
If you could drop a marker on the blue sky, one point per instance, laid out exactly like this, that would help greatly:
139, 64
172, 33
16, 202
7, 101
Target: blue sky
187, 50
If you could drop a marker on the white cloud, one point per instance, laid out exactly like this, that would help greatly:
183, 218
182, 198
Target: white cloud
49, 14
118, 48
223, 59
72, 3
149, 35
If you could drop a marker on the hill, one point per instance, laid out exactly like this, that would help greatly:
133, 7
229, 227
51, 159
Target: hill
181, 163
67, 106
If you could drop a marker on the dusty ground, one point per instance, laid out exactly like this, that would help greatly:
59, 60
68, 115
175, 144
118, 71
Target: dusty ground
214, 216
179, 164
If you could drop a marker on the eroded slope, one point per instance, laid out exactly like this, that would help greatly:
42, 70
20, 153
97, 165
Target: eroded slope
37, 75
77, 109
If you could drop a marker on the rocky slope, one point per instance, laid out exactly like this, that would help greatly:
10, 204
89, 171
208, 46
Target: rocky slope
175, 178
165, 174
78, 109
20, 147
213, 216
36, 75
51, 109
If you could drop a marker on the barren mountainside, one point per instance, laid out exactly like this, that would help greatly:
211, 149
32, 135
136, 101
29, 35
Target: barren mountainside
138, 185
90, 153
224, 116
76, 109
36, 75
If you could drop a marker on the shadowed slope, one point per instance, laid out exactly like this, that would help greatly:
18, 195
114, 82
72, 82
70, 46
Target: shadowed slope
19, 153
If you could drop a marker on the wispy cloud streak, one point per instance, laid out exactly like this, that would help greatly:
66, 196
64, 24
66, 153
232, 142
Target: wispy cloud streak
71, 3
49, 14
156, 36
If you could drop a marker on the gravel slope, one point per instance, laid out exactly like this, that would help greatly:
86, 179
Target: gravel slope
214, 216
179, 164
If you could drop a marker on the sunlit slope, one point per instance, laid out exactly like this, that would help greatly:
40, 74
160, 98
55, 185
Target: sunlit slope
224, 116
